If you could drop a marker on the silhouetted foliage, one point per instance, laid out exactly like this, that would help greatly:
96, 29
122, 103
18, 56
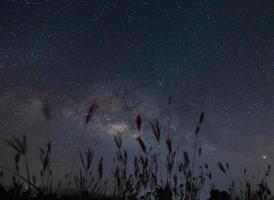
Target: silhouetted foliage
184, 175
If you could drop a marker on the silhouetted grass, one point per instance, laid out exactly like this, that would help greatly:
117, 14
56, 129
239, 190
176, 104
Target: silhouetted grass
181, 177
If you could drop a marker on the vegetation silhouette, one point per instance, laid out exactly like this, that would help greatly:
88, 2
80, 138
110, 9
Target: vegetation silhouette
183, 178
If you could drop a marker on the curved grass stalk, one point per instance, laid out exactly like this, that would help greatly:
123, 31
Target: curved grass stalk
21, 177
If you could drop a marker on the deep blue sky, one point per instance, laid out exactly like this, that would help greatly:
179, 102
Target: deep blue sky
212, 56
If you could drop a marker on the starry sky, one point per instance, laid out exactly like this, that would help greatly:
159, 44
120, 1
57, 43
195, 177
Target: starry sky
211, 56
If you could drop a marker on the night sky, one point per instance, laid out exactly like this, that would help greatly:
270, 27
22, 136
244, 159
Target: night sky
211, 56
